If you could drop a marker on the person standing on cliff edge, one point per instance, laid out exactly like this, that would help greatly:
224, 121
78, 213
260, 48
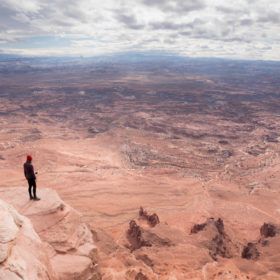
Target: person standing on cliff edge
30, 177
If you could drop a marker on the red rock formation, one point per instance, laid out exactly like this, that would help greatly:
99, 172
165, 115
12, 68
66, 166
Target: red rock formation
198, 227
250, 252
134, 236
152, 220
268, 230
141, 276
219, 243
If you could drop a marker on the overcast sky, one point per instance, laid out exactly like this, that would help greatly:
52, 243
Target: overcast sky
217, 28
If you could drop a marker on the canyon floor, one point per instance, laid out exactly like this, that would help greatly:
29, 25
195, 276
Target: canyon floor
194, 141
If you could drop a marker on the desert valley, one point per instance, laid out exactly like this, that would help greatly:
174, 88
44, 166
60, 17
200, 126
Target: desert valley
169, 166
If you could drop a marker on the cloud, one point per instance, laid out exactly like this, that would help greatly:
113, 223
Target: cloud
27, 6
246, 22
169, 25
176, 6
271, 17
232, 10
129, 20
90, 27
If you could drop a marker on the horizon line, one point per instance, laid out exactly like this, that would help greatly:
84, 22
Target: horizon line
135, 53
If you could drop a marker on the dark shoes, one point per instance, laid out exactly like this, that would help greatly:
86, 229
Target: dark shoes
35, 198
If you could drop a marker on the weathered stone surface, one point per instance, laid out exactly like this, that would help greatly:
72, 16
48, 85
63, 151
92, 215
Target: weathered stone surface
8, 227
74, 267
23, 256
69, 242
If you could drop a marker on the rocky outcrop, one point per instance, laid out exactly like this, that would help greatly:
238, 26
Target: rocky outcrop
198, 227
250, 251
217, 241
139, 237
221, 244
135, 236
141, 276
70, 242
268, 230
23, 256
152, 220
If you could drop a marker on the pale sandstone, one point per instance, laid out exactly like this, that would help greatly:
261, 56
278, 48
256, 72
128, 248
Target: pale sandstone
68, 242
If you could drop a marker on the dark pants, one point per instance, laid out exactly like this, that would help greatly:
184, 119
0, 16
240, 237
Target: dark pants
32, 187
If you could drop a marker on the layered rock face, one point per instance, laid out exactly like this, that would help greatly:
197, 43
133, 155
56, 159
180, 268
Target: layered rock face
22, 253
63, 247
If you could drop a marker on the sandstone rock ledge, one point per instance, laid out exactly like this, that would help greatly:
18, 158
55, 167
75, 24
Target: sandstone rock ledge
47, 240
